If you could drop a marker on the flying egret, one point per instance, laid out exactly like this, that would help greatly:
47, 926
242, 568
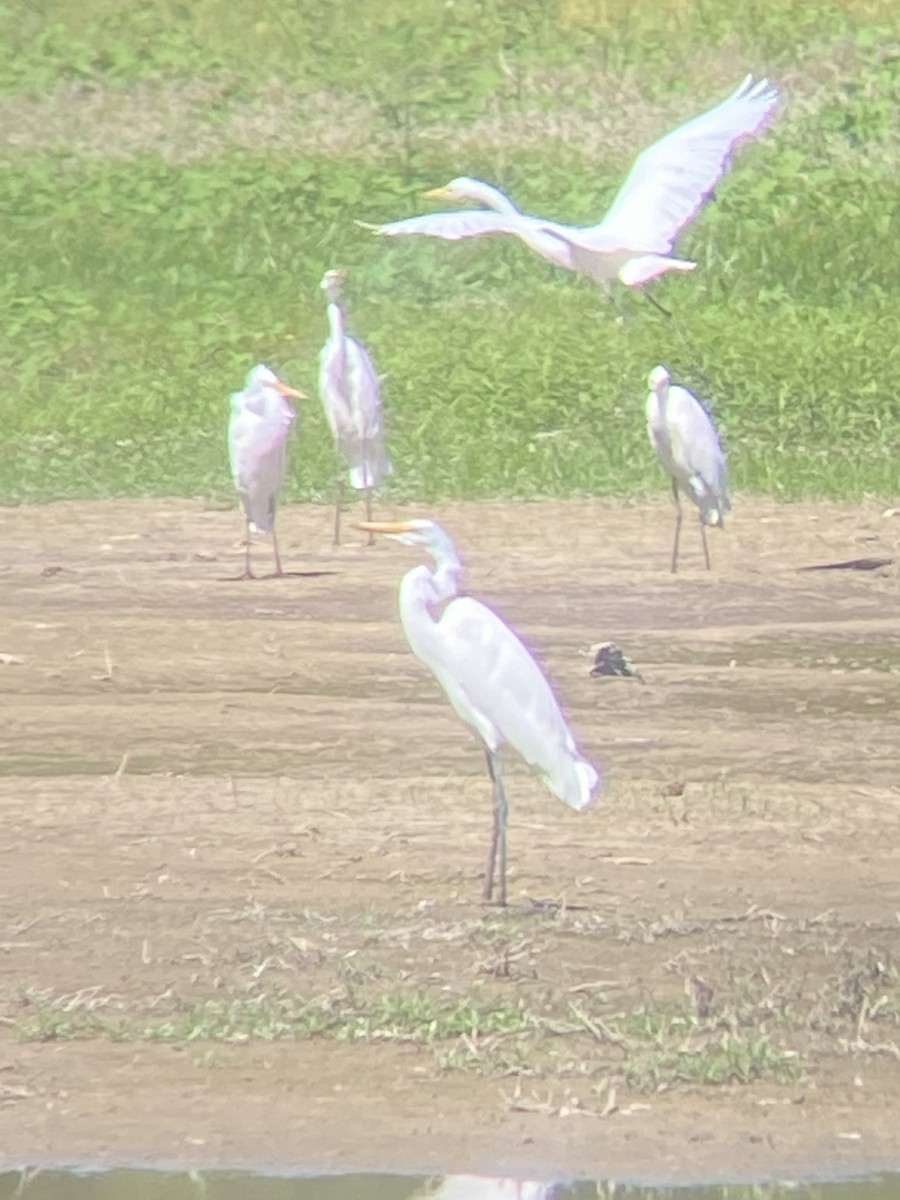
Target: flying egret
348, 385
686, 443
667, 186
490, 679
258, 429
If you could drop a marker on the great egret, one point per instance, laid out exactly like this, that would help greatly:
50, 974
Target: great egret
348, 385
258, 429
685, 440
665, 189
490, 679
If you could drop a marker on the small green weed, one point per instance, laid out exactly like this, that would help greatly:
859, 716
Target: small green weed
675, 1047
274, 1016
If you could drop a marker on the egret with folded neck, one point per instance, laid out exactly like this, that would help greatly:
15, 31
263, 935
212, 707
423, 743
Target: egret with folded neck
258, 429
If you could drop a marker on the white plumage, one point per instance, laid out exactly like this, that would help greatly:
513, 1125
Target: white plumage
685, 440
496, 687
665, 189
258, 429
348, 386
484, 1187
490, 678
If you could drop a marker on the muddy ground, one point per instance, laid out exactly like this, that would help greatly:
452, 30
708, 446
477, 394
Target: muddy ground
243, 835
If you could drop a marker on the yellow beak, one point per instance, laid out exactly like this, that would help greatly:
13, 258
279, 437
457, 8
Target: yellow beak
284, 390
383, 526
439, 193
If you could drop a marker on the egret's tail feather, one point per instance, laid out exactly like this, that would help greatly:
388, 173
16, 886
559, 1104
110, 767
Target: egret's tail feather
647, 266
712, 512
369, 474
260, 514
576, 782
366, 476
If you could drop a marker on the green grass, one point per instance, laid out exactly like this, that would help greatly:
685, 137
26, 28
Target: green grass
275, 1016
156, 247
772, 1018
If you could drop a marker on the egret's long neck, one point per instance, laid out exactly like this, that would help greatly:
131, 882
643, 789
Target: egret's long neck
445, 577
336, 320
421, 592
492, 197
417, 597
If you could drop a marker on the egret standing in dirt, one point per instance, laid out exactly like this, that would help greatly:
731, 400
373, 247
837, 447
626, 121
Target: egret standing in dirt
685, 440
258, 429
667, 186
348, 385
490, 679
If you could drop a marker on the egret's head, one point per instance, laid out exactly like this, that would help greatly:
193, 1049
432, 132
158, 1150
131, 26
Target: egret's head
418, 532
262, 377
658, 379
332, 284
462, 188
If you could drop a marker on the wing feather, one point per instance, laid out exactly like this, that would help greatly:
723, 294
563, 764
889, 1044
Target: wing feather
495, 684
696, 451
257, 438
452, 226
546, 238
670, 180
351, 394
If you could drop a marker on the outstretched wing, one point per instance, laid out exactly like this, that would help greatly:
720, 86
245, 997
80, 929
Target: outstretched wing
544, 237
670, 180
452, 226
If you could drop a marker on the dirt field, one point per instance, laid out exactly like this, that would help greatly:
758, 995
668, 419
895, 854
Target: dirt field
243, 834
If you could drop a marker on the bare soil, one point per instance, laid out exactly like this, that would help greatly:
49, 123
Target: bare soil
252, 793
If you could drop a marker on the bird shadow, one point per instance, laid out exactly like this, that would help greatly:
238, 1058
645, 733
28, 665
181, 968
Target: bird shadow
851, 564
533, 907
272, 575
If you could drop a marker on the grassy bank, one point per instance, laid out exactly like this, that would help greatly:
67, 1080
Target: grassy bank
177, 177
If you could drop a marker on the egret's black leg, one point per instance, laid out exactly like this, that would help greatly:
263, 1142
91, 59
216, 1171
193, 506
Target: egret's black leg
705, 547
338, 503
678, 515
278, 569
656, 304
248, 573
497, 853
371, 541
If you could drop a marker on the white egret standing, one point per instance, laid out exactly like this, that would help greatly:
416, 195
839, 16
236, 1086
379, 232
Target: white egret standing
490, 679
348, 385
667, 186
258, 429
685, 440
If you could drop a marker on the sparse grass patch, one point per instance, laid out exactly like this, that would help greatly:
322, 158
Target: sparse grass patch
799, 1001
677, 1047
274, 1015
